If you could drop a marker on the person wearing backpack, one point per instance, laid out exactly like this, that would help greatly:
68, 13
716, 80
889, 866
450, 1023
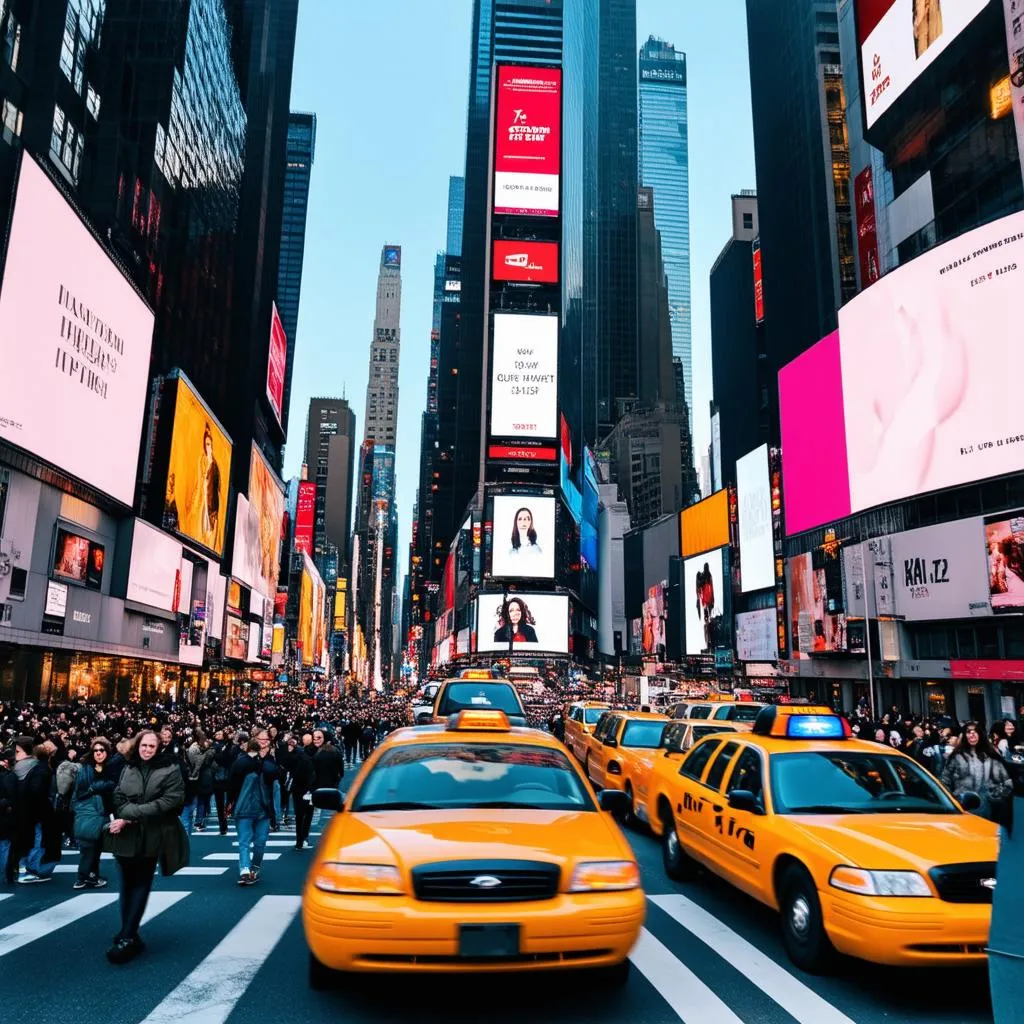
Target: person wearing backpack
93, 807
251, 800
225, 753
196, 760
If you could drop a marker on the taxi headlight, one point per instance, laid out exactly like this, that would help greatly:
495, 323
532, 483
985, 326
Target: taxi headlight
879, 883
605, 876
358, 879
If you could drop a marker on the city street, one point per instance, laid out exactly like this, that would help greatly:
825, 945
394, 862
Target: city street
217, 952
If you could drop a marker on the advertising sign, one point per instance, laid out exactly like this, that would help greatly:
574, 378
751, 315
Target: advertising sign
530, 622
817, 623
277, 363
305, 510
1013, 13
154, 575
198, 473
652, 635
705, 525
898, 39
20, 496
236, 640
524, 376
1004, 543
939, 571
56, 599
75, 342
716, 451
704, 601
527, 140
867, 232
391, 256
524, 536
535, 262
312, 611
257, 551
77, 559
758, 286
754, 496
756, 636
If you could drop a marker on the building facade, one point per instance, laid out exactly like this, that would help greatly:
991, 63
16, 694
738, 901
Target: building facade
330, 464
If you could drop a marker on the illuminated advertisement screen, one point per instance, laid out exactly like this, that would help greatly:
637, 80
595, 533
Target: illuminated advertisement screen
756, 636
277, 364
527, 140
236, 638
257, 551
652, 637
754, 500
529, 622
305, 510
392, 256
75, 342
758, 288
524, 377
1004, 541
154, 573
77, 559
530, 262
707, 627
198, 473
817, 625
898, 39
523, 537
705, 525
312, 613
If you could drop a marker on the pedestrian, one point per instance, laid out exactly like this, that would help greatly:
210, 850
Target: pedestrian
148, 800
93, 807
976, 767
303, 778
350, 737
9, 807
38, 835
197, 761
65, 773
225, 754
251, 800
367, 740
328, 764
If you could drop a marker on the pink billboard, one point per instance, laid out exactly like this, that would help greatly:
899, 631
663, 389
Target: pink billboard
277, 363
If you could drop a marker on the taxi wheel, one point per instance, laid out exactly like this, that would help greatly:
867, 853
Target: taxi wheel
628, 817
803, 929
321, 978
679, 865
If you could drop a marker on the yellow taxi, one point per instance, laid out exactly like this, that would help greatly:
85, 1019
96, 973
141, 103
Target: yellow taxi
466, 847
621, 752
857, 846
580, 723
477, 689
719, 708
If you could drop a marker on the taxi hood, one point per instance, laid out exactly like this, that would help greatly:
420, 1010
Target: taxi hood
895, 841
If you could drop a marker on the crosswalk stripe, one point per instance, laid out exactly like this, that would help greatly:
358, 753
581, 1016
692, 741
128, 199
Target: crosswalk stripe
234, 856
797, 999
691, 999
5, 896
210, 992
28, 929
199, 871
161, 901
275, 842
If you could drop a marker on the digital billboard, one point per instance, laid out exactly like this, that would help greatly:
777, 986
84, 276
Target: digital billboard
758, 286
257, 551
817, 624
75, 342
652, 636
198, 473
305, 510
754, 501
1004, 544
524, 376
391, 256
76, 559
529, 262
312, 613
527, 140
154, 573
705, 525
236, 639
704, 599
867, 228
756, 636
523, 544
898, 39
529, 622
277, 364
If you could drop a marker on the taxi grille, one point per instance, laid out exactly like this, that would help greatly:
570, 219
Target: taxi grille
962, 883
486, 881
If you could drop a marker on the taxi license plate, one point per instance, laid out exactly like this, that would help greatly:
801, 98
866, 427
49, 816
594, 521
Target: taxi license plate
488, 941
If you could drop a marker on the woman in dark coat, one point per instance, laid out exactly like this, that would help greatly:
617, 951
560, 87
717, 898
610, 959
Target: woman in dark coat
93, 805
147, 801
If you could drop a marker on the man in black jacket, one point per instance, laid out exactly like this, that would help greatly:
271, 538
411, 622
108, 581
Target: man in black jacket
38, 836
301, 777
9, 808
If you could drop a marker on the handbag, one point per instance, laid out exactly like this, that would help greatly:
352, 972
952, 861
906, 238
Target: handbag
89, 818
175, 851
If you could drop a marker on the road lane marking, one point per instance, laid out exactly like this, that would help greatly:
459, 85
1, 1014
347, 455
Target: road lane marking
691, 999
234, 856
161, 901
199, 871
276, 842
797, 999
209, 994
28, 929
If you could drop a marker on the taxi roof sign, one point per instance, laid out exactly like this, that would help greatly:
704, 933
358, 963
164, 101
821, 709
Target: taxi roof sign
478, 673
479, 721
801, 723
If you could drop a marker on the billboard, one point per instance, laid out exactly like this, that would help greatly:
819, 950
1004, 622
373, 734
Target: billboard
257, 552
312, 613
867, 229
524, 536
236, 638
704, 600
391, 256
898, 39
305, 510
939, 571
754, 500
198, 473
75, 343
277, 363
756, 636
531, 262
1004, 544
530, 622
76, 559
758, 286
817, 626
524, 376
527, 140
705, 525
655, 611
154, 574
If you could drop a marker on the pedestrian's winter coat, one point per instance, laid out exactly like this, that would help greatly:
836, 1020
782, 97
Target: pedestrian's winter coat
328, 766
301, 773
34, 787
67, 772
8, 804
199, 767
965, 772
251, 787
93, 801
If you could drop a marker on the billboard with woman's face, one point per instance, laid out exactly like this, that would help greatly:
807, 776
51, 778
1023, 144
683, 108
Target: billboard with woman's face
523, 622
523, 541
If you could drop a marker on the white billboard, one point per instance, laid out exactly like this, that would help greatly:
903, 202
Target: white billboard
529, 622
939, 572
75, 343
704, 603
154, 576
523, 538
524, 376
756, 636
754, 501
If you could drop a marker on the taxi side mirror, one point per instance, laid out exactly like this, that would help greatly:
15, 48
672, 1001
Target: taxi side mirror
614, 801
328, 800
744, 800
970, 801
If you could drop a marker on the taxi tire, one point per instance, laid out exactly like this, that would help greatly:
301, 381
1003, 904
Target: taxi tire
321, 977
629, 819
678, 864
808, 947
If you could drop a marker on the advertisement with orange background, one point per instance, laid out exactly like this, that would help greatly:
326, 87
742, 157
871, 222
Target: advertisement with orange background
198, 474
705, 525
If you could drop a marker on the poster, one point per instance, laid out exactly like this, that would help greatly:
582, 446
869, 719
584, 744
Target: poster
523, 536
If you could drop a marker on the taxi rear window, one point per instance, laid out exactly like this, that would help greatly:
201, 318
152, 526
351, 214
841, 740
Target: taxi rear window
480, 697
740, 713
447, 776
642, 734
700, 711
593, 715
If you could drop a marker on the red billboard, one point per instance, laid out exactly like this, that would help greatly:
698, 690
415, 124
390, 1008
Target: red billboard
518, 453
534, 262
867, 235
527, 134
304, 513
277, 362
758, 288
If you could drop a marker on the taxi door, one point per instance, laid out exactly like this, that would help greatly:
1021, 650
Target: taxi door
691, 799
573, 731
599, 747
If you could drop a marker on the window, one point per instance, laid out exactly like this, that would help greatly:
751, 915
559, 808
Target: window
643, 734
722, 762
11, 118
748, 221
606, 727
19, 582
700, 711
697, 761
12, 42
748, 775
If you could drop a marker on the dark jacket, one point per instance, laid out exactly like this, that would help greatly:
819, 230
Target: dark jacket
225, 755
301, 773
8, 804
251, 787
93, 800
328, 767
36, 808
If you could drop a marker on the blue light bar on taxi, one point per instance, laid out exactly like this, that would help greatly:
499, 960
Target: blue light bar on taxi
801, 723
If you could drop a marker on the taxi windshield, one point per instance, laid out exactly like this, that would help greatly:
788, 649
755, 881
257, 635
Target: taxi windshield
643, 734
480, 697
742, 713
853, 782
459, 776
593, 715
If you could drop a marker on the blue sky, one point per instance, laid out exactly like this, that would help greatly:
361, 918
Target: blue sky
388, 83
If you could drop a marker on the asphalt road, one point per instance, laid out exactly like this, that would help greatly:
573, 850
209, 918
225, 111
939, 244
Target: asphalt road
218, 953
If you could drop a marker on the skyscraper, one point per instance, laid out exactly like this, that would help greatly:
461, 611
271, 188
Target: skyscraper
381, 420
456, 202
665, 168
330, 463
301, 148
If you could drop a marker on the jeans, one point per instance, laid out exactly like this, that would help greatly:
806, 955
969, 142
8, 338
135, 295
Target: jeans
89, 859
252, 832
5, 854
188, 814
136, 882
35, 862
202, 809
277, 801
220, 798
